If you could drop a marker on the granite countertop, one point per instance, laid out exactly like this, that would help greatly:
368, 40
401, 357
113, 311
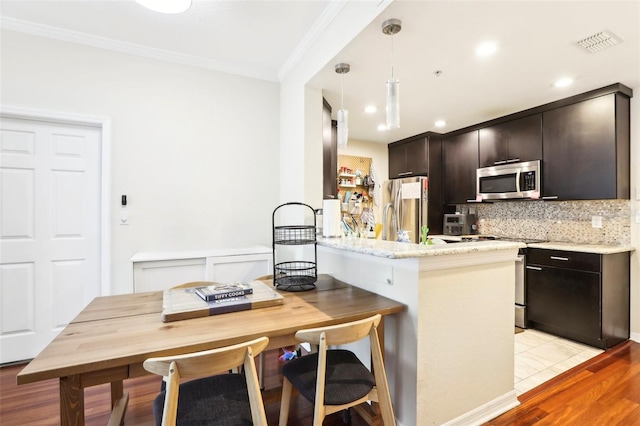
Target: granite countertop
585, 248
559, 245
395, 250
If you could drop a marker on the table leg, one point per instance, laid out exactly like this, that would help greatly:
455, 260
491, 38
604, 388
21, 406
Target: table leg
119, 401
71, 401
117, 389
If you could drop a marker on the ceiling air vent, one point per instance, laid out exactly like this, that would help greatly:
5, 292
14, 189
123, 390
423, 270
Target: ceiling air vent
599, 41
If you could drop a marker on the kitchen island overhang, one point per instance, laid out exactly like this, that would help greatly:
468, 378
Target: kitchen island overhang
450, 355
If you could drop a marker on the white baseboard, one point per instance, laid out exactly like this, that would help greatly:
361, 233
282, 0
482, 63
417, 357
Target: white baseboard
486, 412
635, 337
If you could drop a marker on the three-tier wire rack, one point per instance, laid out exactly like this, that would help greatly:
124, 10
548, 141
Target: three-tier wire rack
294, 270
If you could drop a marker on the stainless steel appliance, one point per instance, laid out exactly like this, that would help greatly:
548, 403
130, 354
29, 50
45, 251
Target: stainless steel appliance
521, 283
521, 294
509, 181
404, 204
459, 224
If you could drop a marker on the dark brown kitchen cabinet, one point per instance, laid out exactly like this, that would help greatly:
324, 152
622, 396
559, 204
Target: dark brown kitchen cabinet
586, 147
511, 141
421, 155
580, 296
435, 211
460, 161
329, 153
409, 157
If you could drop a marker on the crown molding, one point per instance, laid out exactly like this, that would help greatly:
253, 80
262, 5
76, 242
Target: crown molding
75, 37
311, 36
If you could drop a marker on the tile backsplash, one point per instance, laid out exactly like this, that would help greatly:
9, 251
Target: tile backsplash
565, 221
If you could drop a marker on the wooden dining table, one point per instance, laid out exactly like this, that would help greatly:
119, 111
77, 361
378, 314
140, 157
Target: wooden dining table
110, 339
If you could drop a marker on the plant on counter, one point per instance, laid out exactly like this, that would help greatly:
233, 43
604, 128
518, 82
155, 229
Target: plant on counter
424, 239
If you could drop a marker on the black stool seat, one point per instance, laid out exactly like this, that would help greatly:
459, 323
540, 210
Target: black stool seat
207, 400
347, 379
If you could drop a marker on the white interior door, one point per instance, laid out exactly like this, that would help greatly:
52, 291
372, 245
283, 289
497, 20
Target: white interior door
49, 230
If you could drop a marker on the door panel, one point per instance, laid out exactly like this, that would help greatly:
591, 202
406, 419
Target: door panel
49, 230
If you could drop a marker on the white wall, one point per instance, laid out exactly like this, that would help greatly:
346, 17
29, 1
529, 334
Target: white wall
300, 152
195, 151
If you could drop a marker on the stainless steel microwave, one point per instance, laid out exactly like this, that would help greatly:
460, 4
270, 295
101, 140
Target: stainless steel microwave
509, 181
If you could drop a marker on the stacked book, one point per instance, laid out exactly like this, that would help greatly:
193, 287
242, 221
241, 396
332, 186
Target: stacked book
211, 298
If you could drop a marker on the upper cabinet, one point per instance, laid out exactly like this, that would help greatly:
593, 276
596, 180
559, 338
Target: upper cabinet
435, 211
583, 141
460, 161
409, 157
586, 148
511, 141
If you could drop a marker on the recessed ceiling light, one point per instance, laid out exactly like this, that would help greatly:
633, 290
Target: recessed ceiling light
383, 128
370, 109
563, 82
487, 48
440, 123
166, 6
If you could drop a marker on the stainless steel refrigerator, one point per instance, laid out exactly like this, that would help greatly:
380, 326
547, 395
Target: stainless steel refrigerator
404, 207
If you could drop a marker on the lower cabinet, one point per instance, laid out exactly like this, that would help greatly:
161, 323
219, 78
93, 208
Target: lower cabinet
160, 271
580, 296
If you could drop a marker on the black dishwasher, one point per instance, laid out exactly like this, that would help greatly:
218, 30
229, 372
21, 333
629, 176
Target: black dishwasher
580, 296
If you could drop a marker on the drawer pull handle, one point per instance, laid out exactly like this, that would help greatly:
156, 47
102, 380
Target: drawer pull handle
535, 268
559, 258
404, 173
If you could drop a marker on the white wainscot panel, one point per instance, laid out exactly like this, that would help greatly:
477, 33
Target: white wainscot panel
164, 274
238, 268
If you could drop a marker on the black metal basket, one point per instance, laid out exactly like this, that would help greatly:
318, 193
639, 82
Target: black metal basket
295, 275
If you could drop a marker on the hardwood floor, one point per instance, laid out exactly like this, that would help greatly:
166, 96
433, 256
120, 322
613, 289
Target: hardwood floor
38, 403
603, 391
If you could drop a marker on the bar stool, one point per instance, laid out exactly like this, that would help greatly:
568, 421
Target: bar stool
335, 379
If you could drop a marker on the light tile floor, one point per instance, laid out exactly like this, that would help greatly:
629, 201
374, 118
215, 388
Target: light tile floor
540, 356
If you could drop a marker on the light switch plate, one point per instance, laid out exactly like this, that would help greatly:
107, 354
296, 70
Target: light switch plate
596, 221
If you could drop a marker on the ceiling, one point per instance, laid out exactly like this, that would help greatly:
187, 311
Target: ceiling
537, 44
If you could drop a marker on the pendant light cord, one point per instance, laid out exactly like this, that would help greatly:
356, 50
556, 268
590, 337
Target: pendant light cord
342, 91
391, 56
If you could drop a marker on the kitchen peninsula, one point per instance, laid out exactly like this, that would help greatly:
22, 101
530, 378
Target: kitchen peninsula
449, 356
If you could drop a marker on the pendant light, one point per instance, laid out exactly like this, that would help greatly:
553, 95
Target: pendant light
391, 27
343, 114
